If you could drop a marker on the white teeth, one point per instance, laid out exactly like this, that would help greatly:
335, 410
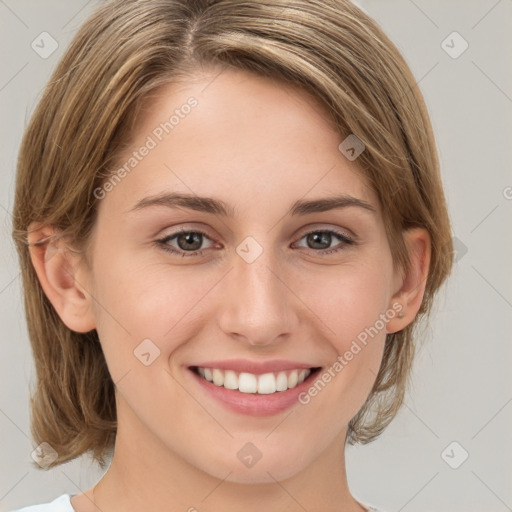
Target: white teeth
230, 380
245, 382
302, 376
281, 382
218, 377
292, 379
266, 384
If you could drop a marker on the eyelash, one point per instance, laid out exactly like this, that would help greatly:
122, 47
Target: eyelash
163, 242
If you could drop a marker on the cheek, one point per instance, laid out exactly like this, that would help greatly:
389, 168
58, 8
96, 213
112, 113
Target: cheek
147, 298
353, 308
348, 299
138, 302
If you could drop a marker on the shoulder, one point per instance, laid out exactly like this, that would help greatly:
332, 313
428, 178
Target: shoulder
60, 504
371, 508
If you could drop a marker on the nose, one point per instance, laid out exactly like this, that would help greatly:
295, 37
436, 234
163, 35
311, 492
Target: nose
258, 306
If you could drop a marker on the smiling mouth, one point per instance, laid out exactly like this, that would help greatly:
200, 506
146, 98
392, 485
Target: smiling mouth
263, 384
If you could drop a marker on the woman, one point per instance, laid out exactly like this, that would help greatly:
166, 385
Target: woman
229, 218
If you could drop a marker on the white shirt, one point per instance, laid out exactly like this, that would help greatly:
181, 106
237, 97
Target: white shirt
63, 504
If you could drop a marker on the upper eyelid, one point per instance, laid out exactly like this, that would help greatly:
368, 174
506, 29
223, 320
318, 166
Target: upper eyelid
303, 231
179, 231
307, 230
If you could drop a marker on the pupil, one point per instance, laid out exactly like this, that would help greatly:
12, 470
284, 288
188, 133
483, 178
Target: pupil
189, 239
321, 238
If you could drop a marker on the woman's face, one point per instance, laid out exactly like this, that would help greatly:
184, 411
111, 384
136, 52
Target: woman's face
257, 283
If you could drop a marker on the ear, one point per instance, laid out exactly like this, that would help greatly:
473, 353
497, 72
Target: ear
410, 285
62, 275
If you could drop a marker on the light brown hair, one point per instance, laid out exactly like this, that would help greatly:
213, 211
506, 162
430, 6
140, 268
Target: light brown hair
123, 53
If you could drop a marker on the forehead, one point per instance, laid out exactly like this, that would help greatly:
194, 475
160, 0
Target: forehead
240, 137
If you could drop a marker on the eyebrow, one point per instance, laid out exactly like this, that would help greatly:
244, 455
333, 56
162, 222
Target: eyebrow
218, 207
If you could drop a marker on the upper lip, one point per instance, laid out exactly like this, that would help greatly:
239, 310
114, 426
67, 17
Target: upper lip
255, 367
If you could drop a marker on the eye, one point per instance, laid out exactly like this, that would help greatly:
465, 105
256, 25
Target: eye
322, 239
189, 242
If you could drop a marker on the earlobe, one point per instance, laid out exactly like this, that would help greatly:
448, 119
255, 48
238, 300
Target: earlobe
413, 280
61, 274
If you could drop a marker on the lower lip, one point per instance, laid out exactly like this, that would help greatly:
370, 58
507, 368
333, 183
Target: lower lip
254, 404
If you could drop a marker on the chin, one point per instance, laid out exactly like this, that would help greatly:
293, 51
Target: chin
264, 470
263, 475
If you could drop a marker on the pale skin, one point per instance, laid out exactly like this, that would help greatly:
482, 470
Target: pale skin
259, 147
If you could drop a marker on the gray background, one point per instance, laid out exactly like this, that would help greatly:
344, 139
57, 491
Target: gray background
461, 389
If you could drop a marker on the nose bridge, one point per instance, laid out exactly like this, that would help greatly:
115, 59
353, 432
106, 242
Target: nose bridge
257, 305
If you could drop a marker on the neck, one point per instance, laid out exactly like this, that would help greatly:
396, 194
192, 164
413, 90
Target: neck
145, 475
